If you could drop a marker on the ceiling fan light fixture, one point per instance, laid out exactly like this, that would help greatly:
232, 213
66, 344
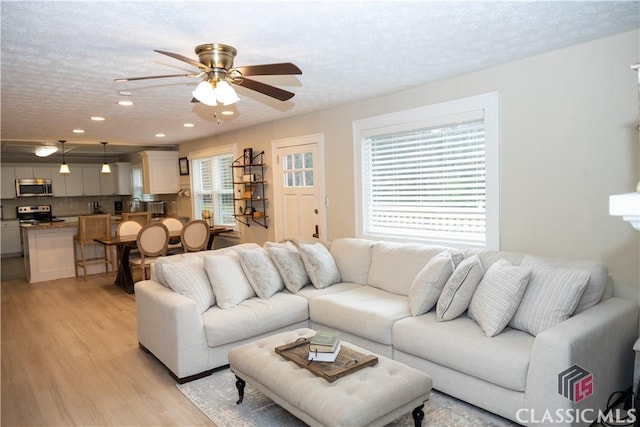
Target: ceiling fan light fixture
225, 94
46, 150
205, 93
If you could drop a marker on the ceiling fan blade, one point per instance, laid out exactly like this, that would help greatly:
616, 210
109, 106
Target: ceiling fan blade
266, 89
185, 59
269, 69
130, 79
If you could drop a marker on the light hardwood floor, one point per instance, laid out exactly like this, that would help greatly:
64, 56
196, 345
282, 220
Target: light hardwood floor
70, 357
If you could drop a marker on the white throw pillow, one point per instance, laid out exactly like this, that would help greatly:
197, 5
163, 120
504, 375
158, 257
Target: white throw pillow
229, 283
551, 297
498, 295
353, 258
320, 265
427, 285
261, 273
458, 291
189, 278
287, 260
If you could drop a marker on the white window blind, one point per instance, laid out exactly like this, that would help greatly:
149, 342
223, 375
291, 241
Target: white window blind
212, 188
138, 185
426, 179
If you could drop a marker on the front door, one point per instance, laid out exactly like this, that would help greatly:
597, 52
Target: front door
299, 188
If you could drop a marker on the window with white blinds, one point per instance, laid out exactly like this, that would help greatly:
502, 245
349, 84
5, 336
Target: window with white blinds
426, 179
212, 188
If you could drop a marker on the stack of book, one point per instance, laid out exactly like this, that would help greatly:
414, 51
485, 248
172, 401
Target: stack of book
324, 346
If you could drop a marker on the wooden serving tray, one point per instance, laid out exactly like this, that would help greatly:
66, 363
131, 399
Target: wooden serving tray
348, 360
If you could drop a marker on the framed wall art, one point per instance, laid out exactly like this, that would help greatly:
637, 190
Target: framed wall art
183, 165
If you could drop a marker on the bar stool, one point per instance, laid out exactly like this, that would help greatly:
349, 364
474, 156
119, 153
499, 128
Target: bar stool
152, 240
195, 236
142, 217
91, 227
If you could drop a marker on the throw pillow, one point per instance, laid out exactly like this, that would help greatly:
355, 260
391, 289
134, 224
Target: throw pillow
320, 265
261, 273
498, 295
458, 291
190, 279
552, 296
230, 285
427, 286
289, 263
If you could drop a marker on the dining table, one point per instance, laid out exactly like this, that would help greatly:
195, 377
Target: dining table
124, 245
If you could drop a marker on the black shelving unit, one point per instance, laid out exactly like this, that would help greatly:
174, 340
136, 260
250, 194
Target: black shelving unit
249, 190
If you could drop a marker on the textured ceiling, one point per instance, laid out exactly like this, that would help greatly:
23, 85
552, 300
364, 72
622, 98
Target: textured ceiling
59, 59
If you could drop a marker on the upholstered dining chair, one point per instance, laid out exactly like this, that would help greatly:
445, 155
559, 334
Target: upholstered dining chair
152, 241
142, 217
91, 227
195, 236
174, 225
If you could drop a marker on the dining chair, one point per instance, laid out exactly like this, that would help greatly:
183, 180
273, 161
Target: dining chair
195, 236
174, 225
91, 227
142, 217
152, 242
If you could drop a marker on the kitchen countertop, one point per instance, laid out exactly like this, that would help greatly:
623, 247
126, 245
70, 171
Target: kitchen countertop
68, 224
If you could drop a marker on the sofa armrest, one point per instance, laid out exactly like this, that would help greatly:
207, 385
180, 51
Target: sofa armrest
170, 326
599, 340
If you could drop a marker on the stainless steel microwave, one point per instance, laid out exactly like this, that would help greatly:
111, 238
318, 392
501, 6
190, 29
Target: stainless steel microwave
34, 187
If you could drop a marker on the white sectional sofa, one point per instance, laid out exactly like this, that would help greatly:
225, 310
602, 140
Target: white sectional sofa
495, 329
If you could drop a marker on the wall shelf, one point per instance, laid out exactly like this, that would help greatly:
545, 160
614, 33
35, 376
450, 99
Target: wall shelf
249, 190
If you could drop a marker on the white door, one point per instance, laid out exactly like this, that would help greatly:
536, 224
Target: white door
299, 188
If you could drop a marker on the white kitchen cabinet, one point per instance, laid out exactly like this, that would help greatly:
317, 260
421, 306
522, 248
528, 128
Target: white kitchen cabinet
58, 183
8, 184
91, 180
42, 172
73, 182
107, 183
10, 238
160, 172
123, 182
24, 172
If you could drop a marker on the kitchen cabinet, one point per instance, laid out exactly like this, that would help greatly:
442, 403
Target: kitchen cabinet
8, 183
91, 180
73, 183
107, 183
58, 183
42, 172
24, 172
160, 172
10, 238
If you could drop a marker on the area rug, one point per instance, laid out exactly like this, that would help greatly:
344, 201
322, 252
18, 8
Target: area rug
216, 397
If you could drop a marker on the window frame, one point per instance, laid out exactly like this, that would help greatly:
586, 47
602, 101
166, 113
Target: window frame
428, 115
230, 150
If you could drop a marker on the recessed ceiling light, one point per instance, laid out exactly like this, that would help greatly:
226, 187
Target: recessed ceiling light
125, 93
188, 125
126, 103
78, 131
160, 135
227, 113
97, 119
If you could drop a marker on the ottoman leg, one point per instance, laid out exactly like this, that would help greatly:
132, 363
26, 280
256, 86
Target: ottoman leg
240, 386
418, 416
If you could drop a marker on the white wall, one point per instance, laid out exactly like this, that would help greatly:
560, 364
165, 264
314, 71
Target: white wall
568, 141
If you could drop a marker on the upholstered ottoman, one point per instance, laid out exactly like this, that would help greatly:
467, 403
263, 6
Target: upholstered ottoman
371, 396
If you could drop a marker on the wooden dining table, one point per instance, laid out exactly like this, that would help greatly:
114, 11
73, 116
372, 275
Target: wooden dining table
124, 244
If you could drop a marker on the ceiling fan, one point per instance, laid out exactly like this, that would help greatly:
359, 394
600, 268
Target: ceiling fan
216, 64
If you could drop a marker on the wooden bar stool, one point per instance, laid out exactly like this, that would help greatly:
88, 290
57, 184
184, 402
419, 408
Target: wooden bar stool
142, 217
91, 227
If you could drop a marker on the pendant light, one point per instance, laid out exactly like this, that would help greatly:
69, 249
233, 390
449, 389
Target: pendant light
64, 167
105, 166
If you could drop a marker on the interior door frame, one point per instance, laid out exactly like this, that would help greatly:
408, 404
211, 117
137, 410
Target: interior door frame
278, 144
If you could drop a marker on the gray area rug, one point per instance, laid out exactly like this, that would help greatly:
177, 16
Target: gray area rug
216, 397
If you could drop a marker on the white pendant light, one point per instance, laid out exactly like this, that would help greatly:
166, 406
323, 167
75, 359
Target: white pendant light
105, 166
64, 167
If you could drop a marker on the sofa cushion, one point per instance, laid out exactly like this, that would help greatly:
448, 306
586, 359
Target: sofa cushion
287, 260
320, 265
261, 272
427, 285
458, 291
253, 317
353, 258
229, 283
461, 345
189, 278
363, 311
310, 292
598, 277
498, 296
395, 265
551, 297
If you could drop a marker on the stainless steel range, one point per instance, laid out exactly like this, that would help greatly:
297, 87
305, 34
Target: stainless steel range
34, 214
